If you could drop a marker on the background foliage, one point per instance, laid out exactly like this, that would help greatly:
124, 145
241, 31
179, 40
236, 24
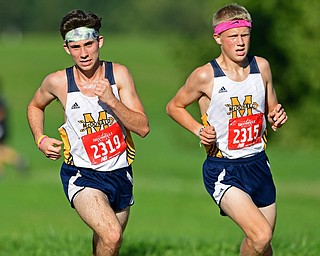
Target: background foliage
284, 32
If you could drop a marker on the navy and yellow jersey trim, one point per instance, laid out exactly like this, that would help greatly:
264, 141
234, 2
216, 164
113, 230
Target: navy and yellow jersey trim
211, 150
265, 138
72, 86
68, 159
218, 72
131, 152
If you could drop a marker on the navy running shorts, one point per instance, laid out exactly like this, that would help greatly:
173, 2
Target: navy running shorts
117, 184
252, 175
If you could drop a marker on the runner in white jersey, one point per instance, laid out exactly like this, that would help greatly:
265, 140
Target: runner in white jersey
237, 111
93, 136
236, 96
101, 108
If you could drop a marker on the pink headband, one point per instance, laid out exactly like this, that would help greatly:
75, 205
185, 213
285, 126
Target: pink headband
223, 26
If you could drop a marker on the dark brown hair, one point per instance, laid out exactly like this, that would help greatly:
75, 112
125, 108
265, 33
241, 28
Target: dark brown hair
78, 18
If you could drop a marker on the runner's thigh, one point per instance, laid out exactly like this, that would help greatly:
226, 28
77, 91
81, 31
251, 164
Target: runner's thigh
93, 207
241, 209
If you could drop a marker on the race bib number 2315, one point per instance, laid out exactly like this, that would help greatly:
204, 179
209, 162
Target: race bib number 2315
245, 131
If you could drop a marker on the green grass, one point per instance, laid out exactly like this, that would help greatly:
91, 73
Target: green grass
173, 214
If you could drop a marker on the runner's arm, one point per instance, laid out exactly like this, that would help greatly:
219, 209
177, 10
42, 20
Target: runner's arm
35, 113
275, 112
195, 86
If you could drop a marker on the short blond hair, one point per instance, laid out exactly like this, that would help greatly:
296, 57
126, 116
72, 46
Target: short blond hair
231, 12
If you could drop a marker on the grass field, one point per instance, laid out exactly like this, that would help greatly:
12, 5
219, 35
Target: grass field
173, 214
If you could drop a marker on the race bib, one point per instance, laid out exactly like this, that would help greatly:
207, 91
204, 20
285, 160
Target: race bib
245, 131
105, 144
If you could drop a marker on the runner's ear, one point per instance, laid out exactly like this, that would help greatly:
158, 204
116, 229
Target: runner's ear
66, 48
101, 41
217, 39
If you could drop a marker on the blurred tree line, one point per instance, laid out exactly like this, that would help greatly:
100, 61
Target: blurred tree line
284, 32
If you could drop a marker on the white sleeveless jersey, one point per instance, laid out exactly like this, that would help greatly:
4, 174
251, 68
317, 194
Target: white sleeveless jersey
88, 137
237, 112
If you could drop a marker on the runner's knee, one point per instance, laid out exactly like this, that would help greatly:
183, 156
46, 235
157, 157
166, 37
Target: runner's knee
107, 243
261, 239
112, 240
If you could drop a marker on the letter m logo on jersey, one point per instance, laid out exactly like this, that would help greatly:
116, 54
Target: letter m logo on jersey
236, 109
89, 124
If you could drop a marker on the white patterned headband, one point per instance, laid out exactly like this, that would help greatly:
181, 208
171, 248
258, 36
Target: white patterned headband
81, 33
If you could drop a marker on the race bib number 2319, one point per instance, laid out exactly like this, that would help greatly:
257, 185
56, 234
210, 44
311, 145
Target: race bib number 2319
105, 144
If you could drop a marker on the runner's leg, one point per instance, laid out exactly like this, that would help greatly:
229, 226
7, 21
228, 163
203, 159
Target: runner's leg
93, 207
257, 227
